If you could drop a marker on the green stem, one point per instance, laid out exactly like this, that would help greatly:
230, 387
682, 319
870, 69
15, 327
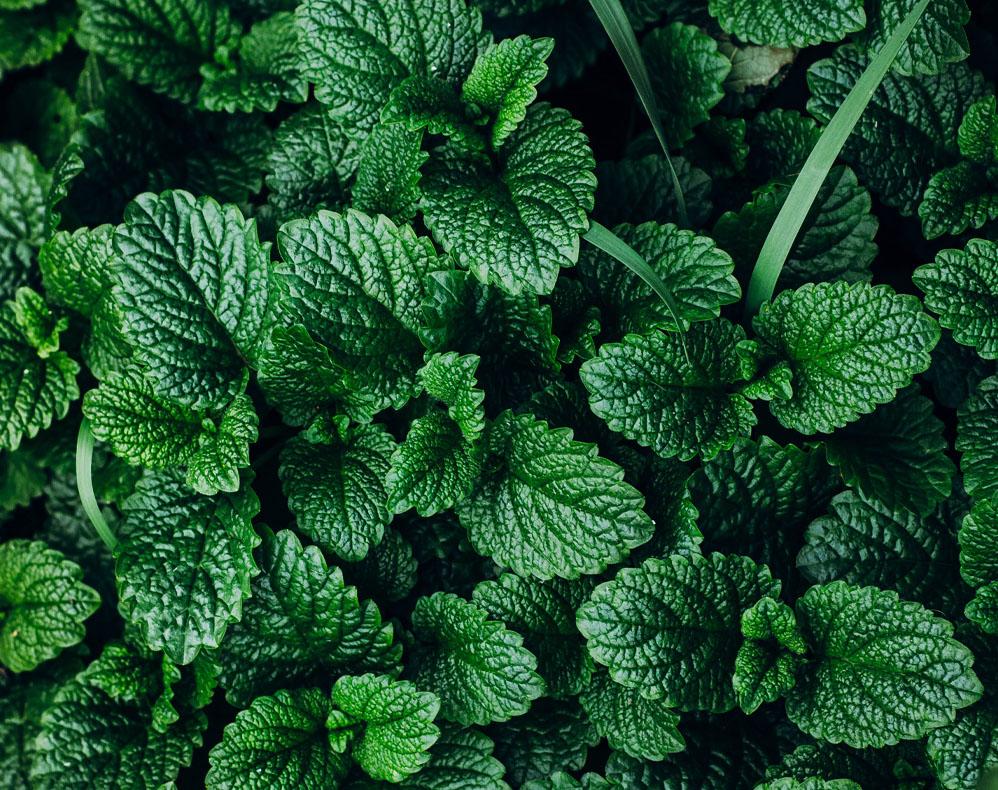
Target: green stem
805, 189
85, 484
618, 27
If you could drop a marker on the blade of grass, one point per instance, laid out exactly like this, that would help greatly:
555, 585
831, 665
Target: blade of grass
85, 484
618, 27
802, 194
604, 239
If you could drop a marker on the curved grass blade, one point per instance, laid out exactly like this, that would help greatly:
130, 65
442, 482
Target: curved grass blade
802, 194
85, 484
618, 27
608, 241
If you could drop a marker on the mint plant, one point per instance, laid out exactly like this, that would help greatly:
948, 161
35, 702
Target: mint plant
498, 393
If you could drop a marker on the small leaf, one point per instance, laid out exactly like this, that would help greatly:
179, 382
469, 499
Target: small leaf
976, 421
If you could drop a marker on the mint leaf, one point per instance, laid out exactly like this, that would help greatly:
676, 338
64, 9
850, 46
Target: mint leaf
433, 468
356, 282
640, 190
502, 82
978, 565
514, 222
696, 272
863, 541
544, 613
309, 163
962, 289
551, 736
38, 381
388, 572
976, 419
850, 349
33, 36
75, 267
676, 394
983, 609
965, 753
24, 185
767, 661
670, 628
301, 625
480, 670
206, 261
356, 53
642, 728
884, 670
175, 540
460, 760
335, 487
43, 604
546, 505
909, 129
396, 724
90, 739
389, 172
267, 70
281, 741
148, 430
772, 23
162, 43
937, 40
450, 379
687, 73
957, 199
836, 241
430, 104
896, 455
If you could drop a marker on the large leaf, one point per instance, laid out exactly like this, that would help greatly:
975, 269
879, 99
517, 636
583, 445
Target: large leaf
850, 348
777, 24
517, 221
546, 505
184, 563
883, 670
677, 394
671, 628
206, 262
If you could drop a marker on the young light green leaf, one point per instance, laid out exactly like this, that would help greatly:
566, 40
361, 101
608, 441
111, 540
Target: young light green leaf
43, 604
884, 670
280, 742
850, 349
546, 505
481, 671
184, 563
671, 628
677, 394
502, 82
778, 25
896, 455
643, 728
450, 378
356, 53
357, 282
961, 286
767, 661
149, 430
396, 724
429, 104
206, 261
544, 613
301, 625
161, 43
336, 487
516, 223
38, 381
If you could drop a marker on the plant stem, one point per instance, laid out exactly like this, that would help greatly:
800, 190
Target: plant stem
85, 484
618, 27
805, 189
